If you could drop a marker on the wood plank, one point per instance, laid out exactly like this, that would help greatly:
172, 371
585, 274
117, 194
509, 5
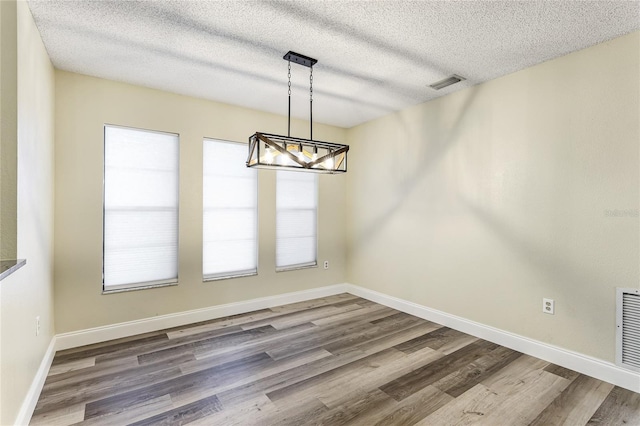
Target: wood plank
621, 407
408, 384
561, 371
77, 364
98, 375
460, 381
300, 317
133, 413
273, 370
520, 367
379, 337
64, 416
294, 415
287, 378
370, 313
102, 349
521, 401
96, 370
242, 415
467, 409
320, 338
370, 404
185, 414
233, 338
92, 390
414, 408
434, 340
310, 304
257, 344
201, 379
511, 401
366, 382
576, 404
326, 381
208, 326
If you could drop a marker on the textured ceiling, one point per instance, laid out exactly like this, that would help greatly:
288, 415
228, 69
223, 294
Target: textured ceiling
374, 57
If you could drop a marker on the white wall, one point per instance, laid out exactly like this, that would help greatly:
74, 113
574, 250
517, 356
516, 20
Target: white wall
29, 291
83, 105
485, 201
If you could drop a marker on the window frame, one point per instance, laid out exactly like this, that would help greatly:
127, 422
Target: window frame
307, 265
241, 273
120, 288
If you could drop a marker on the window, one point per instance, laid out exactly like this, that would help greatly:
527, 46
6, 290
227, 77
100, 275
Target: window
296, 219
230, 216
140, 222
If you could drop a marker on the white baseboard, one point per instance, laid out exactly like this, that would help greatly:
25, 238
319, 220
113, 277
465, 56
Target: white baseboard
31, 399
593, 367
116, 331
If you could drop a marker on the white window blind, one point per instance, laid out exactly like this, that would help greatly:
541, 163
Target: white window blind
230, 216
296, 219
140, 208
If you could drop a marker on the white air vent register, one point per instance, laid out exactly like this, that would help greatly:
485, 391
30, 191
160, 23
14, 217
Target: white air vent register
628, 328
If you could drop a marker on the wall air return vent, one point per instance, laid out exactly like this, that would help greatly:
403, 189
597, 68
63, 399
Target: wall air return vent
453, 79
628, 328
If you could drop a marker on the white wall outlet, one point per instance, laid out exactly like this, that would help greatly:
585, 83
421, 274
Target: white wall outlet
326, 264
548, 306
38, 325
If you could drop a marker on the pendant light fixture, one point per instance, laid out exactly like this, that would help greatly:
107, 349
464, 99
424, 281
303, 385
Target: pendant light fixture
269, 151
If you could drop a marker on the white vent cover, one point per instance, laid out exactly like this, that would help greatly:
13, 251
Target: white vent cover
628, 328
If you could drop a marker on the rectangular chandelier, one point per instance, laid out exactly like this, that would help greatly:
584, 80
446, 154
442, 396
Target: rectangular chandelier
274, 152
269, 151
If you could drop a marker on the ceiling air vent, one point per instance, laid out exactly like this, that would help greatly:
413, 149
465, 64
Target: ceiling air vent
453, 79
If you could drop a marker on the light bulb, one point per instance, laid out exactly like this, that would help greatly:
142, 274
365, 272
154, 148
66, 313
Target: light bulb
268, 155
328, 163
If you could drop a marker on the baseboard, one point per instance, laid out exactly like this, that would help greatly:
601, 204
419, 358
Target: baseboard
593, 367
116, 331
31, 399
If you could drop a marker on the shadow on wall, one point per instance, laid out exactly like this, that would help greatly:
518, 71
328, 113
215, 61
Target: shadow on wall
553, 266
426, 156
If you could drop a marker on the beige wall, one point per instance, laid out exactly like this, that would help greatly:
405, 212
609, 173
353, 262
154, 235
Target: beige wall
83, 105
29, 291
485, 201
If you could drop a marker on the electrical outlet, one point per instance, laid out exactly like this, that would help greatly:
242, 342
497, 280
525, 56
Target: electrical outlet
326, 264
548, 306
38, 325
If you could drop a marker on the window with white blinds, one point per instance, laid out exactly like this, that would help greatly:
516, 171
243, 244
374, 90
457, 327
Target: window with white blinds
230, 216
140, 221
296, 219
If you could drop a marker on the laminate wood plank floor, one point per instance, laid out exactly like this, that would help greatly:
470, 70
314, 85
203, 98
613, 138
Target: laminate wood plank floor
332, 361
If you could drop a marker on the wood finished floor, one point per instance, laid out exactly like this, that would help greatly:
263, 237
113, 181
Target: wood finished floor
336, 360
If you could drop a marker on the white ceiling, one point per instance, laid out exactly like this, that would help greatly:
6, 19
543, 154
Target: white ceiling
374, 57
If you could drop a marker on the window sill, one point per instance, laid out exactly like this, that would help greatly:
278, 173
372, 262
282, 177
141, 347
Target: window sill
142, 287
228, 277
297, 267
8, 267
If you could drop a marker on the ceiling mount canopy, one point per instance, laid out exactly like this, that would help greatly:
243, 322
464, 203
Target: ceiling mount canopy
269, 151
